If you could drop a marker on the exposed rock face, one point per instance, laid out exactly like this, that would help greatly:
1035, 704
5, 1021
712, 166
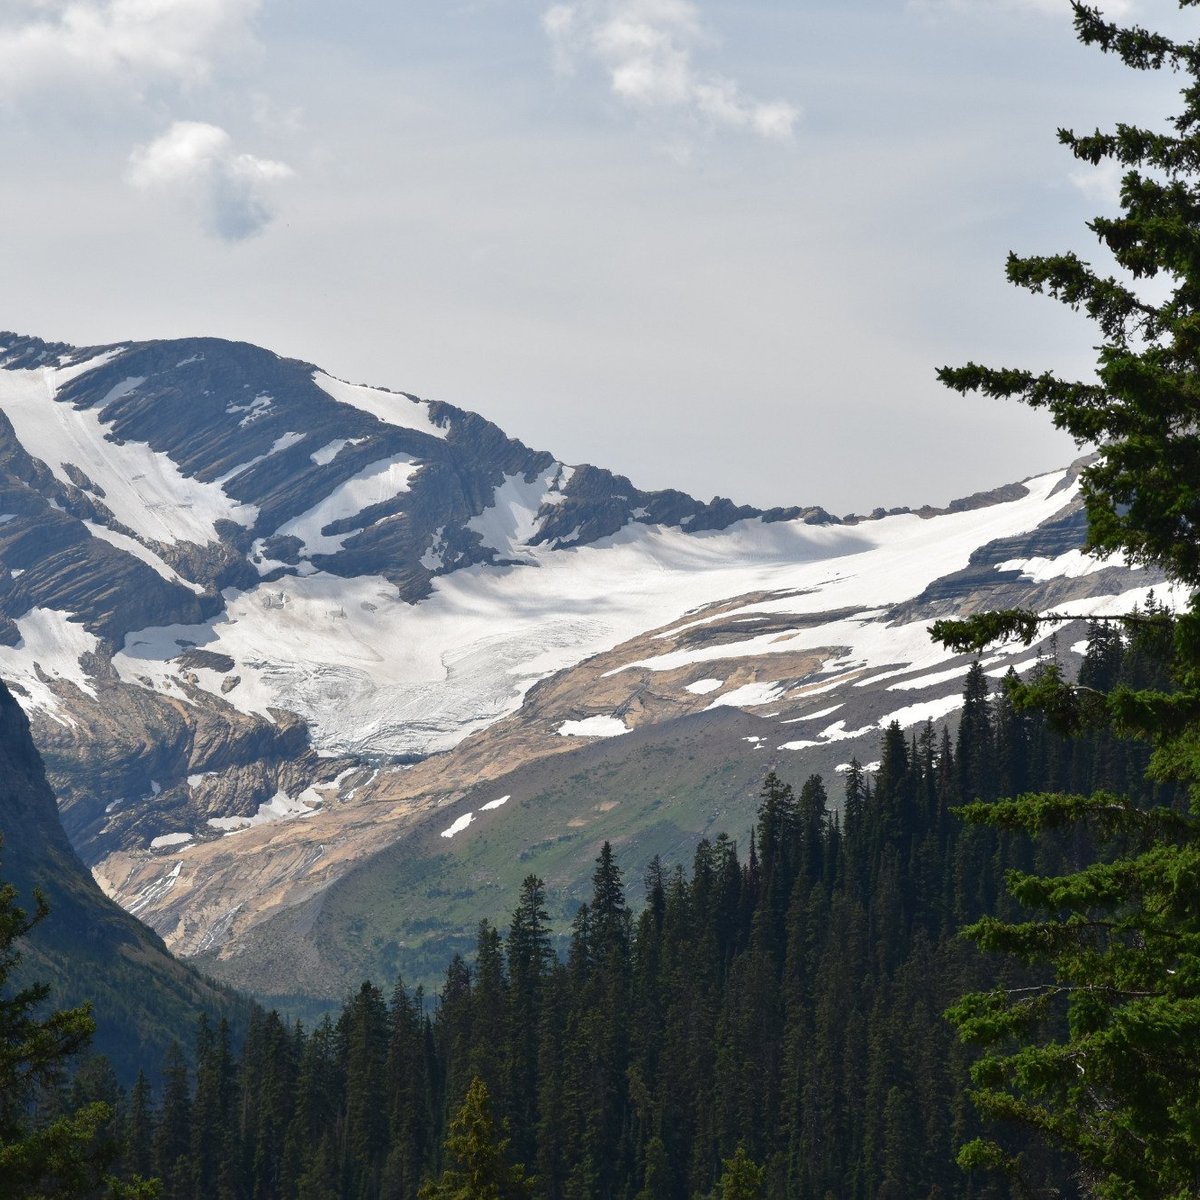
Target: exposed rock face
274, 628
88, 948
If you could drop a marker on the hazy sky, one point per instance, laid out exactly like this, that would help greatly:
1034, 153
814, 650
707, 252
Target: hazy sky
720, 246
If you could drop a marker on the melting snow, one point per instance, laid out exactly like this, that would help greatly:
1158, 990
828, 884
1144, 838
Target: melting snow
749, 695
702, 687
1070, 565
496, 803
392, 408
169, 839
156, 890
380, 481
511, 520
331, 450
144, 489
593, 727
281, 807
52, 645
132, 546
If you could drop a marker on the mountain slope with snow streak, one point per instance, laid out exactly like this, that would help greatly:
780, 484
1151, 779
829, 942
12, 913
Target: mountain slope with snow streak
269, 625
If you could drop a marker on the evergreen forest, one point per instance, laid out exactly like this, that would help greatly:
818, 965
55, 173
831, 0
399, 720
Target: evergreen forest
768, 1022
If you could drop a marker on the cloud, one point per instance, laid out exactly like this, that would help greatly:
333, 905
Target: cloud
129, 44
647, 49
1101, 183
197, 164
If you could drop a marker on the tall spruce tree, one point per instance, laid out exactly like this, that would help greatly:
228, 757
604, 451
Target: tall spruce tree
1103, 1057
480, 1169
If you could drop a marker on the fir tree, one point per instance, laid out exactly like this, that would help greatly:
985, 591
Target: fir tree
742, 1178
1119, 1085
480, 1168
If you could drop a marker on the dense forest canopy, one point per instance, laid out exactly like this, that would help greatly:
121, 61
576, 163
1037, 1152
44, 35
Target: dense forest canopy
777, 1007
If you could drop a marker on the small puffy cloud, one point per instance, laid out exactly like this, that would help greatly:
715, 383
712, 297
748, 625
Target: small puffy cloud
647, 50
123, 44
197, 163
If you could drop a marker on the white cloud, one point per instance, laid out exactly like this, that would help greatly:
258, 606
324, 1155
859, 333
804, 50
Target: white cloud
127, 44
647, 50
1101, 183
197, 163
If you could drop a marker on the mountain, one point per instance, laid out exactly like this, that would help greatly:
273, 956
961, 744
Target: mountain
320, 670
88, 948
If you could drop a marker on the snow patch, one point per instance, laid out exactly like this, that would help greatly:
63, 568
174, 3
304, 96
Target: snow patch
374, 484
281, 807
170, 839
511, 520
702, 687
49, 649
496, 803
837, 732
458, 825
331, 450
593, 727
433, 558
132, 546
143, 489
281, 443
748, 696
1071, 565
918, 714
258, 407
392, 408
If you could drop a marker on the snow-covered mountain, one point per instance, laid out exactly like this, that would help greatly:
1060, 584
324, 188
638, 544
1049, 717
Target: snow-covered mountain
273, 628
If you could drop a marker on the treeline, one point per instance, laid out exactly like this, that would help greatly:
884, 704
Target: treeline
788, 1002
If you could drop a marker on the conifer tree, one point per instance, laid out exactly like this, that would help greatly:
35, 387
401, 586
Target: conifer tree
1119, 1086
480, 1168
742, 1178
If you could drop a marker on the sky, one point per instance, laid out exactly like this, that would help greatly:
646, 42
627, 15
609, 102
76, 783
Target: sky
718, 245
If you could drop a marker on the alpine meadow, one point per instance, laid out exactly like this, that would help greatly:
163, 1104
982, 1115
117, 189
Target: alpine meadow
390, 810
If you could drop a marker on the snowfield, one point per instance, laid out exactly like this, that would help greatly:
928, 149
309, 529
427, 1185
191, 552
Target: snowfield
376, 676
